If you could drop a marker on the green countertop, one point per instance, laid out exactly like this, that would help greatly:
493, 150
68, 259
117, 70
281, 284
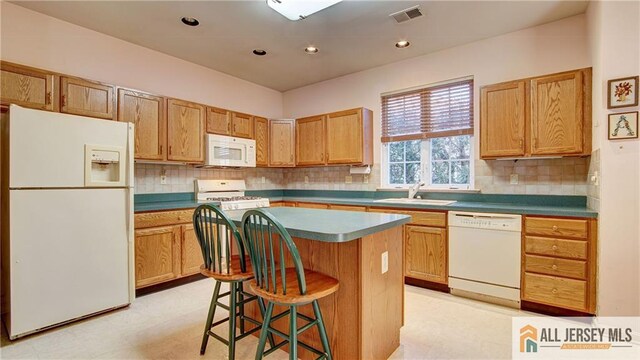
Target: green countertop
329, 225
572, 206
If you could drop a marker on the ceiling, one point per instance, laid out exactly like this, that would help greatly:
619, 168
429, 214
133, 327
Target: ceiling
352, 35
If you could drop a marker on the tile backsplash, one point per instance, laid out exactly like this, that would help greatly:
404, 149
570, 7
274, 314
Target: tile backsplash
565, 176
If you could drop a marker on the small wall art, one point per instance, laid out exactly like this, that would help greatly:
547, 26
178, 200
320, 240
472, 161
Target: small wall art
622, 92
623, 126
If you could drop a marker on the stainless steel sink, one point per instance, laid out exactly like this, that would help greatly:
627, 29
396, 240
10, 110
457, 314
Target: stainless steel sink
416, 201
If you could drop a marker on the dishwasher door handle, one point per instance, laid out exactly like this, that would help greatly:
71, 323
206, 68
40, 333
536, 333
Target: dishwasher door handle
497, 217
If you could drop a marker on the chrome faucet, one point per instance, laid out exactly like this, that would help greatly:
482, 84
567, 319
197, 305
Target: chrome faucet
413, 189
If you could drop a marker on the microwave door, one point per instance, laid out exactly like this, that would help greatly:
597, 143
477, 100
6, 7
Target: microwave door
227, 154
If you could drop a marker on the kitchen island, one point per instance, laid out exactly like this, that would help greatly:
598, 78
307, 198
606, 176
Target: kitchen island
363, 318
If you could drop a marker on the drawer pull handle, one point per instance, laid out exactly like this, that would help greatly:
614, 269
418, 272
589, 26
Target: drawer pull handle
554, 228
554, 291
554, 267
554, 247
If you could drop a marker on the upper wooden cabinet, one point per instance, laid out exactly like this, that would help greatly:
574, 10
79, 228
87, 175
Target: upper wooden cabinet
147, 113
502, 119
242, 125
282, 143
349, 137
27, 87
86, 98
310, 141
218, 121
543, 116
261, 134
185, 131
557, 114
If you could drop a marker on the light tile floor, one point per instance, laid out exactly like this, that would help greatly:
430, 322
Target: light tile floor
168, 325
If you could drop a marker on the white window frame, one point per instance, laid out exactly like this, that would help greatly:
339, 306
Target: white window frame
425, 169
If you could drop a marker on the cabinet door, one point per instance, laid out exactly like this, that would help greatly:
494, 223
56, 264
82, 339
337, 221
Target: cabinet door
218, 121
191, 251
426, 253
281, 143
345, 137
157, 255
27, 87
557, 114
147, 113
262, 141
185, 131
502, 120
242, 125
310, 141
86, 98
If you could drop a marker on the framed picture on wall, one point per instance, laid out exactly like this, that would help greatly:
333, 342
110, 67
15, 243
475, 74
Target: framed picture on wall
623, 126
622, 92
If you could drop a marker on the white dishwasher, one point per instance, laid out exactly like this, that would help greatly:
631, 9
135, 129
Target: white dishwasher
484, 256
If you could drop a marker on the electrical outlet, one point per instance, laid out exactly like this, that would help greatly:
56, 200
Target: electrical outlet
264, 180
163, 179
365, 179
513, 179
385, 262
348, 179
306, 179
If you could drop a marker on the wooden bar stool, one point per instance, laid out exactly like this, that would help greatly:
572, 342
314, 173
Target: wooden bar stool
215, 231
266, 240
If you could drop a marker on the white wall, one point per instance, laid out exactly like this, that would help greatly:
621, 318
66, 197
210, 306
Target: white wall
614, 40
549, 48
41, 41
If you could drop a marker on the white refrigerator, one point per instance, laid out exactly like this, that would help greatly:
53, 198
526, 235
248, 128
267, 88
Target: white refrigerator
67, 218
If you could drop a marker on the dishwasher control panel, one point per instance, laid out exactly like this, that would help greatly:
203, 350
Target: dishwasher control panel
489, 221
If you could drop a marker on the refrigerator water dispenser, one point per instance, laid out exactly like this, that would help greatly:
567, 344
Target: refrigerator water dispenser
104, 166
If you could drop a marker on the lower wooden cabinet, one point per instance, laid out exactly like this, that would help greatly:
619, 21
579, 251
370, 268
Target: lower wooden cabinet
157, 255
559, 262
166, 247
425, 251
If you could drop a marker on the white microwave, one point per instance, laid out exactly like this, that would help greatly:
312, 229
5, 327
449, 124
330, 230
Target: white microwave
230, 151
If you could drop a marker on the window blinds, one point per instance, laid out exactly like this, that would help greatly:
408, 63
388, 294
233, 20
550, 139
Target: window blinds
438, 111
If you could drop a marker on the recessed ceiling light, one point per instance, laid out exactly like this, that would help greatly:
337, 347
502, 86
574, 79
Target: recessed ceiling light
311, 50
402, 44
259, 52
190, 21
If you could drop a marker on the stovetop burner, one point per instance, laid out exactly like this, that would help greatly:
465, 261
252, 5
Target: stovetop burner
233, 198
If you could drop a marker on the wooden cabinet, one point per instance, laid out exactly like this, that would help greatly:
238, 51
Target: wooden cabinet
559, 263
312, 205
425, 245
218, 121
542, 116
86, 98
191, 255
185, 131
28, 87
502, 119
310, 141
282, 143
347, 207
147, 113
261, 134
349, 137
557, 114
242, 125
426, 253
157, 255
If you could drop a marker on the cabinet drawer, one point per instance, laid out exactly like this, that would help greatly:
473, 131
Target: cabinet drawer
162, 218
573, 249
556, 227
553, 266
348, 207
555, 291
312, 205
418, 217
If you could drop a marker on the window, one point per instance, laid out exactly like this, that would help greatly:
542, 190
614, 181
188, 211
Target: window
427, 136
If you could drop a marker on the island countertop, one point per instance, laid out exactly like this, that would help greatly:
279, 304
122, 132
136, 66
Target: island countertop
329, 225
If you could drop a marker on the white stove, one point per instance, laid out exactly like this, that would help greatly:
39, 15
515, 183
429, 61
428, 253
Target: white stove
227, 194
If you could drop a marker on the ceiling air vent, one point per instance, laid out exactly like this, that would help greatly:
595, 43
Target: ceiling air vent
407, 14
